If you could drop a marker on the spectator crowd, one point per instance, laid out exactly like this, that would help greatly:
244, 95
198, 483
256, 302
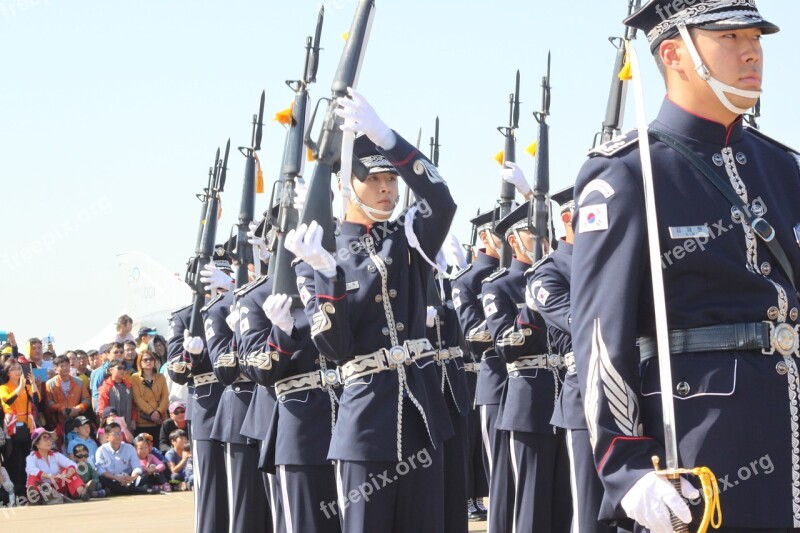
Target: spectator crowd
90, 424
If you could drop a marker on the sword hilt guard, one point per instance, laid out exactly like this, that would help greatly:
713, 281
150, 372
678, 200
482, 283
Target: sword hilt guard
712, 513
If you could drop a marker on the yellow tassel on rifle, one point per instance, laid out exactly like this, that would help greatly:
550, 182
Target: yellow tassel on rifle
531, 149
626, 73
309, 154
500, 157
346, 35
259, 175
285, 117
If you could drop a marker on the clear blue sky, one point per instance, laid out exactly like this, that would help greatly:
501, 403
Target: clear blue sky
112, 111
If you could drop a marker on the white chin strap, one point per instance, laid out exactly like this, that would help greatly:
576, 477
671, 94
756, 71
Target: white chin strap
719, 88
369, 211
529, 253
490, 237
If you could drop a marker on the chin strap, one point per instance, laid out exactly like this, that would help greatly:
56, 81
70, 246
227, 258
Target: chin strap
488, 229
720, 89
528, 253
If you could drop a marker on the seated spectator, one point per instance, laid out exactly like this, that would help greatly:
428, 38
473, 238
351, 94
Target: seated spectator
81, 436
129, 355
116, 461
84, 459
82, 371
116, 391
6, 486
150, 395
177, 420
50, 471
124, 327
179, 459
151, 470
66, 396
110, 415
101, 437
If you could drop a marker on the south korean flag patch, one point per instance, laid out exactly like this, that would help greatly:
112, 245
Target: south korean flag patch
541, 296
593, 218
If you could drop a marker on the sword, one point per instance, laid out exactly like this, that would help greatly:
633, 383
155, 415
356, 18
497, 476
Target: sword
672, 472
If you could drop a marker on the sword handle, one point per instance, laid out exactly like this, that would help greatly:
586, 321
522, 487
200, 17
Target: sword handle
677, 524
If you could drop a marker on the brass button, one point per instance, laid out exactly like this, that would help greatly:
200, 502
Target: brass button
372, 269
741, 158
683, 388
782, 368
717, 158
766, 268
385, 331
378, 298
388, 260
400, 326
392, 293
772, 313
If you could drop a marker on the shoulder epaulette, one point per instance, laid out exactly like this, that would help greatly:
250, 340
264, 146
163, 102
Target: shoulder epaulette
212, 302
539, 263
247, 287
461, 272
770, 140
615, 145
175, 312
496, 275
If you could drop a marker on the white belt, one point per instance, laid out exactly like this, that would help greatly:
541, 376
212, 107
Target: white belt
472, 367
319, 379
386, 359
548, 361
205, 379
446, 354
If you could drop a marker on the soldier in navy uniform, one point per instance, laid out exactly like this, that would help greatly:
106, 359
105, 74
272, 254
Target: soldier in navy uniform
540, 466
726, 200
189, 363
549, 285
367, 310
489, 377
444, 334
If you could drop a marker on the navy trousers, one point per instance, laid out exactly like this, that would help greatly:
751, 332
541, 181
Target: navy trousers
498, 466
210, 495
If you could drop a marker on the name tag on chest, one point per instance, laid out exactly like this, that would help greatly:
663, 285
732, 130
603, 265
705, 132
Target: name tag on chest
688, 232
352, 286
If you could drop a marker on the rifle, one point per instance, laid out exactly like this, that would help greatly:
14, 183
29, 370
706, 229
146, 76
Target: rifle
473, 241
284, 279
540, 203
615, 108
191, 264
408, 197
328, 149
507, 190
435, 145
206, 248
248, 206
751, 119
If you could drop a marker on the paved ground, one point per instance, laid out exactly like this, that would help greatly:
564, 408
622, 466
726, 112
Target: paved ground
168, 512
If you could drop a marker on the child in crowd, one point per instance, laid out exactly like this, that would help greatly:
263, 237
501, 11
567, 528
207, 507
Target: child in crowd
179, 459
151, 472
86, 470
81, 434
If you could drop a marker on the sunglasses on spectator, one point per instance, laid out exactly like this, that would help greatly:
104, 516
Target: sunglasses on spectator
114, 434
81, 455
178, 411
121, 367
148, 360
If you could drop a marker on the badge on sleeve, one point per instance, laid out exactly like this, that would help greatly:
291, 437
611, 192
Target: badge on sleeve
593, 218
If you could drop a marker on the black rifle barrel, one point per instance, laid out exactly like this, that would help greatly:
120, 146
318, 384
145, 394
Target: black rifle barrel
541, 182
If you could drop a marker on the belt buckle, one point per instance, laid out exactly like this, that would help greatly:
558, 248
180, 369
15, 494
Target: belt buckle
443, 355
783, 339
330, 377
397, 355
553, 360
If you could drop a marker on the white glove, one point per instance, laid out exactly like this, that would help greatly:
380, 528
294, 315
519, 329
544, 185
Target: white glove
652, 497
359, 116
430, 320
214, 278
300, 192
257, 242
193, 345
305, 243
278, 307
513, 175
454, 252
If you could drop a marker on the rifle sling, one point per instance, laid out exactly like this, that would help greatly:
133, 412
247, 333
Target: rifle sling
761, 227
